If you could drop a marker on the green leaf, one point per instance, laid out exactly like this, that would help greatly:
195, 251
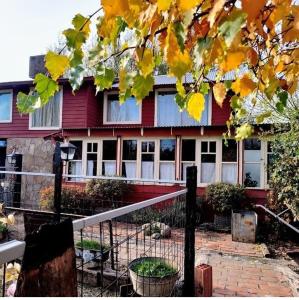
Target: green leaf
26, 103
76, 77
142, 86
76, 58
204, 88
81, 23
74, 38
260, 118
228, 84
180, 88
203, 44
244, 131
45, 87
180, 101
280, 107
104, 79
235, 103
283, 97
180, 34
232, 25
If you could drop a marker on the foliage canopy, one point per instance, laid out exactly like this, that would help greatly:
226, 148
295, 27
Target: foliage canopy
258, 40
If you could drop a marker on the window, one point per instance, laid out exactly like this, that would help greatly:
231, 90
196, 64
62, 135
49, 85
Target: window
208, 161
147, 159
270, 159
167, 159
48, 116
75, 165
188, 155
109, 158
168, 113
252, 163
229, 161
92, 159
129, 158
128, 112
5, 106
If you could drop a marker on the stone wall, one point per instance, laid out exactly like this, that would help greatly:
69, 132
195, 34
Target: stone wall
37, 157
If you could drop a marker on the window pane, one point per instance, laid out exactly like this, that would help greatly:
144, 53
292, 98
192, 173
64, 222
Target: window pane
78, 152
229, 152
208, 172
88, 147
252, 144
167, 150
229, 173
147, 157
169, 114
91, 164
109, 150
108, 168
5, 106
48, 115
213, 147
167, 170
188, 150
129, 169
252, 152
126, 112
129, 150
204, 146
252, 175
184, 169
151, 146
208, 158
144, 146
75, 168
147, 169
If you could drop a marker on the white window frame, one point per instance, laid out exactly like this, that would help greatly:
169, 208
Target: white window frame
174, 90
105, 111
97, 153
230, 162
66, 167
60, 116
10, 91
139, 156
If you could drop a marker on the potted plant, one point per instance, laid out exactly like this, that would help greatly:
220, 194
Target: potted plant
221, 197
91, 250
152, 276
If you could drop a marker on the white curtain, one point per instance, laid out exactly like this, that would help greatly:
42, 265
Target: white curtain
167, 170
110, 168
90, 164
208, 172
48, 115
147, 170
76, 169
252, 155
5, 106
130, 169
229, 173
128, 111
184, 169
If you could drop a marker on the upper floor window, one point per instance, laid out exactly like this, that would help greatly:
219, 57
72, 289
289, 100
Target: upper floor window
168, 113
128, 112
5, 106
48, 116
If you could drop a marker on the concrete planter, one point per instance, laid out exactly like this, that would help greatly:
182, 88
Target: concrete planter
244, 224
152, 286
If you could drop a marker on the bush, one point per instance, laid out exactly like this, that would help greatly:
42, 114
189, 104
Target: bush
92, 245
223, 197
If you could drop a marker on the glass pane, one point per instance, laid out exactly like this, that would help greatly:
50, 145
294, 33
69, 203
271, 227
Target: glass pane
129, 150
109, 150
188, 150
229, 151
48, 115
212, 147
151, 146
252, 175
184, 169
147, 157
89, 147
126, 112
204, 146
208, 158
5, 106
129, 169
91, 164
75, 168
144, 146
252, 144
229, 173
95, 147
208, 172
252, 155
147, 169
167, 170
78, 152
109, 168
167, 150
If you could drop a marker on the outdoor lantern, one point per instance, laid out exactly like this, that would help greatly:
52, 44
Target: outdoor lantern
67, 151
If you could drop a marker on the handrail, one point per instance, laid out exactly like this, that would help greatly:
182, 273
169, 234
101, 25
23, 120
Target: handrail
11, 250
278, 218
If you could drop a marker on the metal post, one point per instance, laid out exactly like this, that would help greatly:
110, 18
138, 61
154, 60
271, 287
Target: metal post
189, 260
57, 170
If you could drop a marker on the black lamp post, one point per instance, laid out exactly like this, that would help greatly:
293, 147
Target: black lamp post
63, 152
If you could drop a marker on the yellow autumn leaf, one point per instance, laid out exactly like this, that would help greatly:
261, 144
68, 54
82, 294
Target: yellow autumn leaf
232, 60
252, 10
244, 86
56, 64
219, 90
146, 62
164, 4
10, 219
196, 105
184, 5
244, 131
115, 8
217, 6
179, 62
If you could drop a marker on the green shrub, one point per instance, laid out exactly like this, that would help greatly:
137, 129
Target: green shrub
3, 227
223, 197
153, 267
92, 245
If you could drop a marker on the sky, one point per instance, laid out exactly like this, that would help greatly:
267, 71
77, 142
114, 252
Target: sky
30, 27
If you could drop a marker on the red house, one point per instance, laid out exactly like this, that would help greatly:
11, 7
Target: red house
152, 140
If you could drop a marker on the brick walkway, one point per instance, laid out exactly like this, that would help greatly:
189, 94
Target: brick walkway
239, 269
